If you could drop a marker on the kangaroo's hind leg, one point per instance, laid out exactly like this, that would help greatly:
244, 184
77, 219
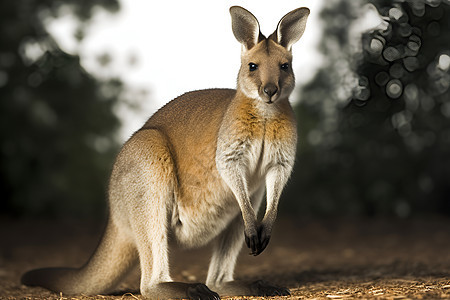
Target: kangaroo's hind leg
152, 184
226, 249
225, 252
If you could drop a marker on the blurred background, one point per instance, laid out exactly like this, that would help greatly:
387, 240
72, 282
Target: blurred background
372, 98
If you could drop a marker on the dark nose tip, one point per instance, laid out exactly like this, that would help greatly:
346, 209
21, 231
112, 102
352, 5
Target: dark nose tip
270, 89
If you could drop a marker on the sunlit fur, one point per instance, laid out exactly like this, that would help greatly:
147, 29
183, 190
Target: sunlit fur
197, 172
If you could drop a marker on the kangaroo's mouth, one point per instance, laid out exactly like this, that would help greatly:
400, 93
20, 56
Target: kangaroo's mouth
270, 93
270, 99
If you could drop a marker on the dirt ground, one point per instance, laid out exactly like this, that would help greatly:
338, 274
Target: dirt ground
316, 259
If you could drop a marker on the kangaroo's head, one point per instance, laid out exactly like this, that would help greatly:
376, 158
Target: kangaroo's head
266, 63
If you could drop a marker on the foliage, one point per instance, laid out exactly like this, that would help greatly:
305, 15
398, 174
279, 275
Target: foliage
378, 142
374, 122
57, 125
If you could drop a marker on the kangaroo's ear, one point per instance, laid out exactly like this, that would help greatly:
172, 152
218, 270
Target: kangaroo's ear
245, 27
291, 27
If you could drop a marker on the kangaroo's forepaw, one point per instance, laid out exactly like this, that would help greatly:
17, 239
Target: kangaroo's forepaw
199, 291
258, 241
262, 288
264, 238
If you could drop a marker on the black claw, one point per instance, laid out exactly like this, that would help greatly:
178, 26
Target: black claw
252, 243
264, 244
199, 291
285, 292
264, 237
255, 245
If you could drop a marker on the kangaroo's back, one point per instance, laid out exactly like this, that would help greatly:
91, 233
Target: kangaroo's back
192, 118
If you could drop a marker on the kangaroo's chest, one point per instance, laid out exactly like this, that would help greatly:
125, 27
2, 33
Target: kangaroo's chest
253, 144
258, 148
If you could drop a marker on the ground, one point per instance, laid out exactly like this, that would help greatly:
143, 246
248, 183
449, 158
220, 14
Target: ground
316, 259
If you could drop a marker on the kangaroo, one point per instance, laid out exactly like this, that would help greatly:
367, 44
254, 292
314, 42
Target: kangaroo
197, 172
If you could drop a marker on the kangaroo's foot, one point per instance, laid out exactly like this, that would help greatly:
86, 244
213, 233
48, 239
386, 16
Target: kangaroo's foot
262, 288
202, 292
256, 288
179, 290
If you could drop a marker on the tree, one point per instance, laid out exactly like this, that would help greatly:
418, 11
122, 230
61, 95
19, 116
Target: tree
375, 137
406, 67
57, 125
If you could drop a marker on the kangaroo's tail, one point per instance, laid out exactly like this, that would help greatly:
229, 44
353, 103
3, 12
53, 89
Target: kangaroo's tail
111, 261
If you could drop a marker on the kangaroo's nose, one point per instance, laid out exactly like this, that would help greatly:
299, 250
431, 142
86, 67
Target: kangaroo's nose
270, 89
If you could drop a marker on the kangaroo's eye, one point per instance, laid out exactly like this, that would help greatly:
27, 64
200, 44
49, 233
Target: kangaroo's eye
285, 67
252, 67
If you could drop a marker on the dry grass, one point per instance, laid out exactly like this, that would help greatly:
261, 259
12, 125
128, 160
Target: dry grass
316, 260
